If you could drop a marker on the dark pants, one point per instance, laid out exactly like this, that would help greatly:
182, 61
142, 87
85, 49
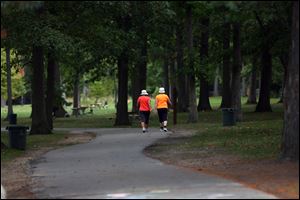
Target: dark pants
144, 116
162, 114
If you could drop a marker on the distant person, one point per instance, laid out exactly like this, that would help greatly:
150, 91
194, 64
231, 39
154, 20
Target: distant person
162, 103
144, 108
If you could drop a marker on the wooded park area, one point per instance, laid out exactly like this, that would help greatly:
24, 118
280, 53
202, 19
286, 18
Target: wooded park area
197, 48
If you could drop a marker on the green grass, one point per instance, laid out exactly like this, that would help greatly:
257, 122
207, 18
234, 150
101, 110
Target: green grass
33, 142
106, 117
257, 136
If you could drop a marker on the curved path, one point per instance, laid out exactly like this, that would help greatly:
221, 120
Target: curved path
114, 166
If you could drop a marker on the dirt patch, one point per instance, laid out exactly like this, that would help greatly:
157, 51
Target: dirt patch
280, 178
15, 174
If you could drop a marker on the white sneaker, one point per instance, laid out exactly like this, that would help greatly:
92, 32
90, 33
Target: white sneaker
161, 129
165, 129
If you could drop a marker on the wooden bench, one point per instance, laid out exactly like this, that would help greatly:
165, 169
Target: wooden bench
80, 110
133, 115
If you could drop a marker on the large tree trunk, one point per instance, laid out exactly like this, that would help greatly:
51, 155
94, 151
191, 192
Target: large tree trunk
193, 113
8, 79
290, 142
172, 78
140, 72
122, 106
266, 78
284, 61
138, 79
50, 88
39, 123
181, 81
204, 104
226, 88
166, 73
236, 72
135, 89
252, 88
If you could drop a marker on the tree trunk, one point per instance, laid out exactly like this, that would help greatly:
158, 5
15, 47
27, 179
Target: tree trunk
50, 88
204, 104
135, 89
236, 72
39, 123
252, 89
8, 77
193, 113
143, 63
172, 78
122, 106
266, 77
139, 74
284, 61
182, 93
166, 73
290, 142
216, 83
226, 88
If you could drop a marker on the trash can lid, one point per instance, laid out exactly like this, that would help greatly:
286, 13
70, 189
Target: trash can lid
10, 127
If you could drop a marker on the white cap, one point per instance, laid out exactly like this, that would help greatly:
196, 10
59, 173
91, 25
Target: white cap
161, 90
144, 92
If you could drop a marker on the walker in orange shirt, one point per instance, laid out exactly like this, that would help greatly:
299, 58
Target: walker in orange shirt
143, 103
162, 102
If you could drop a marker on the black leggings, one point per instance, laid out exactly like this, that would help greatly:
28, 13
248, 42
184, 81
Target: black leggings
162, 114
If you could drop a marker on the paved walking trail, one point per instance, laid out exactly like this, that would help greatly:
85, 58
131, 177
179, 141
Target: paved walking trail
114, 166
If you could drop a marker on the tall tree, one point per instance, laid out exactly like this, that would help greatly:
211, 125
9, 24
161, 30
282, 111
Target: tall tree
252, 88
8, 78
290, 140
193, 113
50, 92
236, 72
39, 124
263, 104
166, 73
139, 72
122, 105
181, 80
204, 104
226, 87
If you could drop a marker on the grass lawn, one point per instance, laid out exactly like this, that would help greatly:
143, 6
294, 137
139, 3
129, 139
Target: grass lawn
257, 136
33, 142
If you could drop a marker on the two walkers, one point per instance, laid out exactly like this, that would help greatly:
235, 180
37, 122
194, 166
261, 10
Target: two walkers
162, 102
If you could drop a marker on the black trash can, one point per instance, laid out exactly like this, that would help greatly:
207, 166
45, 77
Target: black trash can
228, 117
13, 119
17, 136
